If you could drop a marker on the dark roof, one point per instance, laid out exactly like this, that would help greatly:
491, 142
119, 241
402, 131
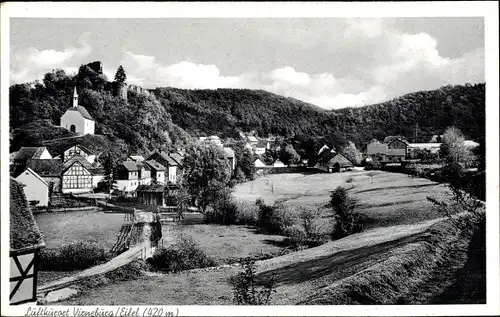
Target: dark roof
151, 188
130, 166
44, 168
80, 159
164, 157
82, 111
332, 158
27, 153
84, 149
155, 165
177, 157
261, 143
16, 169
24, 233
389, 139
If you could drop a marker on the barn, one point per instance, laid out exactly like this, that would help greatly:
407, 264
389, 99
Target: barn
25, 243
334, 162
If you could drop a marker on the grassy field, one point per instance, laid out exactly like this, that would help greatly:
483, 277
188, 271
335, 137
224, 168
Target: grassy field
61, 228
228, 242
387, 199
398, 259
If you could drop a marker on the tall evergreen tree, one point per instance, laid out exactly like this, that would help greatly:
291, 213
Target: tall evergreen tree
120, 76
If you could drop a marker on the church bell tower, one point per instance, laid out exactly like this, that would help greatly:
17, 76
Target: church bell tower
75, 99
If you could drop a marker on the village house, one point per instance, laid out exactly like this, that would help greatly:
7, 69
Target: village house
396, 150
127, 176
26, 154
392, 149
278, 163
324, 148
77, 119
25, 244
258, 163
212, 139
79, 150
157, 171
50, 171
35, 188
430, 148
172, 167
136, 158
252, 140
261, 147
79, 176
333, 162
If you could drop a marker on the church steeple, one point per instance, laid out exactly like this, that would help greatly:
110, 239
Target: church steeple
75, 99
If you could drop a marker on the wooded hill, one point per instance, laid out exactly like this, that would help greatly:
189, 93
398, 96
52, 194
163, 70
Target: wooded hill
223, 111
169, 117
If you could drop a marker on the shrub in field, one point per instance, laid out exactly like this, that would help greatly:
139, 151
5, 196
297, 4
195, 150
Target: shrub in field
247, 214
296, 236
249, 291
349, 180
223, 209
75, 256
184, 255
347, 219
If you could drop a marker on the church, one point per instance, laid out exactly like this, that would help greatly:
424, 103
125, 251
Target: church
77, 119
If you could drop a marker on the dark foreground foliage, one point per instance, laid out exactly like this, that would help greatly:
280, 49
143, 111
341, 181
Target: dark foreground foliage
75, 256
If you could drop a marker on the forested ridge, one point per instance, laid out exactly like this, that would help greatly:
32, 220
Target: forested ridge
222, 111
169, 117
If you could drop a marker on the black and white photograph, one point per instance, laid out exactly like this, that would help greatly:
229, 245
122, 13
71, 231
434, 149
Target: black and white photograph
237, 159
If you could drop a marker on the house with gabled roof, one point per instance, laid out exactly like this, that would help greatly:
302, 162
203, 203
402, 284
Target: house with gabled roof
77, 149
261, 146
50, 171
26, 241
278, 163
172, 166
36, 188
28, 153
258, 163
157, 171
77, 119
127, 176
333, 162
79, 176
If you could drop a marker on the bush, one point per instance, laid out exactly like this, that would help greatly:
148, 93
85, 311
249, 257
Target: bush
296, 236
184, 255
247, 214
347, 220
75, 256
349, 180
274, 219
247, 291
223, 209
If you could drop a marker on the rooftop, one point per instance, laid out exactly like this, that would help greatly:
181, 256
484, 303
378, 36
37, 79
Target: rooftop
82, 111
24, 232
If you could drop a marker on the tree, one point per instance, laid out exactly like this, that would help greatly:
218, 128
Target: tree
352, 153
347, 220
289, 156
109, 166
246, 163
207, 172
453, 149
120, 76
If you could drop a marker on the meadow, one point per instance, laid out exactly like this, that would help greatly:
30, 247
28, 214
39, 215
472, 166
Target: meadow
400, 221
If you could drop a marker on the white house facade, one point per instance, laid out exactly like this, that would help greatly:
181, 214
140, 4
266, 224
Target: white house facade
79, 150
35, 187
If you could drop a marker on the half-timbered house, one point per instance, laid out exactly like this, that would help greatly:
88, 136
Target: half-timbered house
77, 176
77, 149
25, 244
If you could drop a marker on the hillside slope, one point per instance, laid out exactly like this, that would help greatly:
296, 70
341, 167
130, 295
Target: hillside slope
222, 111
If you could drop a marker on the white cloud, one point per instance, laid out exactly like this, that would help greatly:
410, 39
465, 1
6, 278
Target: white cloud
30, 64
363, 27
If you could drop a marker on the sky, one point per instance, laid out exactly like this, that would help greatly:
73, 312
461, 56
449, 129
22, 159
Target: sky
330, 62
